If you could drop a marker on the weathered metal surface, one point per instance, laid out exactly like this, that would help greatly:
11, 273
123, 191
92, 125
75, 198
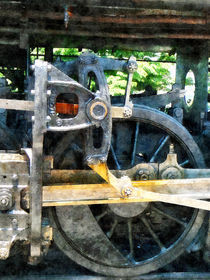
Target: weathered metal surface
39, 128
71, 235
191, 189
65, 239
13, 104
194, 58
14, 221
77, 223
88, 176
97, 110
85, 194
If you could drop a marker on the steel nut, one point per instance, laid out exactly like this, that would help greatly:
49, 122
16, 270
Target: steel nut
143, 174
126, 191
127, 113
6, 200
132, 66
59, 122
98, 110
171, 173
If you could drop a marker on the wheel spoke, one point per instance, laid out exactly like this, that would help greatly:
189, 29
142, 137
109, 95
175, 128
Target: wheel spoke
168, 216
130, 238
111, 231
152, 233
132, 245
135, 144
162, 144
184, 163
115, 158
99, 217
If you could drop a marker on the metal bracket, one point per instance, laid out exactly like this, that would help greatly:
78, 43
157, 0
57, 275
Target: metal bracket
127, 189
99, 110
14, 221
131, 67
39, 128
93, 110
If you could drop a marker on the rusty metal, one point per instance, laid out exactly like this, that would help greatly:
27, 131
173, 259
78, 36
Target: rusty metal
57, 176
143, 183
143, 35
107, 10
87, 234
154, 19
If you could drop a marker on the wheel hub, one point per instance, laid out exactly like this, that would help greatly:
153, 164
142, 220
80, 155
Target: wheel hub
128, 210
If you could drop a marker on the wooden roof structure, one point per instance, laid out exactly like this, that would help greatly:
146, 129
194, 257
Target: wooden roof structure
131, 24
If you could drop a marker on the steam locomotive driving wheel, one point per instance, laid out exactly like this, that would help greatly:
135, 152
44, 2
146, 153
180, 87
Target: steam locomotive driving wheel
132, 239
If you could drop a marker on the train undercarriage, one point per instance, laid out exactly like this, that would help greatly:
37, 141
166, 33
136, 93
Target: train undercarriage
122, 188
118, 184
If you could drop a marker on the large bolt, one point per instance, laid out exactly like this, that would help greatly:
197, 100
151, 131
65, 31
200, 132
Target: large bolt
127, 191
171, 149
59, 122
178, 112
132, 65
15, 179
171, 173
127, 112
14, 224
48, 119
49, 67
143, 174
6, 200
144, 177
98, 110
49, 92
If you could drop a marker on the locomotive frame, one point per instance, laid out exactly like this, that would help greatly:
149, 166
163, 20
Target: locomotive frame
36, 184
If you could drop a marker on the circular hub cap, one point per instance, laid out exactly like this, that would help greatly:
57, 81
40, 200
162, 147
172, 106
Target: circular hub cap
128, 210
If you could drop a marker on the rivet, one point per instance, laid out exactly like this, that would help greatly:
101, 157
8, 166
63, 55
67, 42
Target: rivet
49, 67
48, 118
59, 122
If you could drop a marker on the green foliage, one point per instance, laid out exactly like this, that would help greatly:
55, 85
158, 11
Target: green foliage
153, 73
71, 52
189, 81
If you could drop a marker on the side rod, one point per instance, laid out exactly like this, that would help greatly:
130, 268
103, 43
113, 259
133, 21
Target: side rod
186, 192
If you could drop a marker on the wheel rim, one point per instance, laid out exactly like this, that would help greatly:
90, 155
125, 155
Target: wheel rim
103, 251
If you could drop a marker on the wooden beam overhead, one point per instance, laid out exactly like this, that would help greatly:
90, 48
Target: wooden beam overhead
120, 23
